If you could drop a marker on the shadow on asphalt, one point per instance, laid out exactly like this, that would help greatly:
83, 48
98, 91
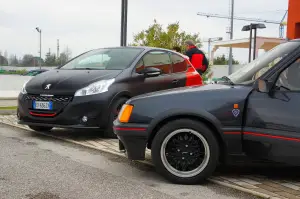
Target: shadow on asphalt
270, 171
77, 134
263, 170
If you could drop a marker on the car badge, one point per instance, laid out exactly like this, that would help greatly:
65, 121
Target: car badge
47, 87
235, 111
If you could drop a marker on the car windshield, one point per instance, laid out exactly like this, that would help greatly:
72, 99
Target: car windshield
258, 67
104, 59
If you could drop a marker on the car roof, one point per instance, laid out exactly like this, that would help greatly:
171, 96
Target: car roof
137, 47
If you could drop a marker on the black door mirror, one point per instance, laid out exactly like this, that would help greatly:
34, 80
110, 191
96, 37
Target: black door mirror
151, 72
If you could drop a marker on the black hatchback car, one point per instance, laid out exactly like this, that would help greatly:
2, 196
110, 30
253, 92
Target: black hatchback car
89, 91
253, 113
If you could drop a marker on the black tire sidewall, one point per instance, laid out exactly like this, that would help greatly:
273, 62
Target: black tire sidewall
191, 124
109, 133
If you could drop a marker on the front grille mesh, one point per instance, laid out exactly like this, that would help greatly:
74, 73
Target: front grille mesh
49, 98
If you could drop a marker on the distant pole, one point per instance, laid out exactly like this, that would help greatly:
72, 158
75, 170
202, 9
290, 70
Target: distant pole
40, 31
250, 43
125, 22
122, 23
231, 37
254, 44
57, 49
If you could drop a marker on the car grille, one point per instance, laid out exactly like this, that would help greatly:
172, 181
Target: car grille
49, 98
59, 102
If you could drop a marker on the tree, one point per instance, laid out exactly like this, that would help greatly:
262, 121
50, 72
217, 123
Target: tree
27, 60
3, 61
222, 60
62, 59
68, 53
157, 36
50, 59
5, 54
13, 61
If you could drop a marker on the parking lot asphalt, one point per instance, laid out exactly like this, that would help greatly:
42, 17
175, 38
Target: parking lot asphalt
34, 166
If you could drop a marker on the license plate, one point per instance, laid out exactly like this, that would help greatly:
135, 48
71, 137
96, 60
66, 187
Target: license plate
42, 105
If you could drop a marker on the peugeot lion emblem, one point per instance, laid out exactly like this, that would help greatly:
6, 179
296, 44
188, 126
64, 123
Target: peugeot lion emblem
47, 87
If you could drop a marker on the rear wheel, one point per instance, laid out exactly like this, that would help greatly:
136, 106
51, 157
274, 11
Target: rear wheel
114, 111
41, 128
185, 151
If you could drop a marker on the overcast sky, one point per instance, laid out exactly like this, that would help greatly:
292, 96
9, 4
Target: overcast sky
87, 24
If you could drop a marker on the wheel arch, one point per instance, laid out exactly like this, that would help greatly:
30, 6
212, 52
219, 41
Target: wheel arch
206, 119
125, 94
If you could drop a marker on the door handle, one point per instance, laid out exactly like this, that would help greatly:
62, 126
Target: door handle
175, 81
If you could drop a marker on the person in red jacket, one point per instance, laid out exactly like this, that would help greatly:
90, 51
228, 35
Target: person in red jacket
196, 56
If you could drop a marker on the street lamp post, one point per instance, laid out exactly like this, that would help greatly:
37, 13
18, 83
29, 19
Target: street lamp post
40, 31
124, 10
250, 28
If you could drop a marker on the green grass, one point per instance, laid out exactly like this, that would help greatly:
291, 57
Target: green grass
8, 107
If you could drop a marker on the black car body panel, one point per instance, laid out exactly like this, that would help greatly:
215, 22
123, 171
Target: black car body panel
256, 117
60, 85
67, 82
202, 102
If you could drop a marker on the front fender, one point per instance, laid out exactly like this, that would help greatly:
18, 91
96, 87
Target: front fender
174, 113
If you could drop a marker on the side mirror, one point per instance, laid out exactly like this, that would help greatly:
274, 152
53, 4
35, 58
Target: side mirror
263, 86
151, 72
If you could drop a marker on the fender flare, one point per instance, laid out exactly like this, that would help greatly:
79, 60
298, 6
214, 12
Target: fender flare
201, 114
118, 95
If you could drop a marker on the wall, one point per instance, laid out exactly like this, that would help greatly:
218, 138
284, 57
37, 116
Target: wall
24, 68
293, 23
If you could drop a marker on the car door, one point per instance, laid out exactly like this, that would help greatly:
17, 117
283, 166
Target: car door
158, 59
272, 123
179, 68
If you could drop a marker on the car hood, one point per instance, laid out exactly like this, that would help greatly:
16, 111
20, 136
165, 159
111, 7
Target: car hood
187, 90
67, 82
207, 97
215, 101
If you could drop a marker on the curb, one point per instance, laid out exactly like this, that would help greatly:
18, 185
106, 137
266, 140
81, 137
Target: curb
212, 180
8, 98
242, 189
8, 112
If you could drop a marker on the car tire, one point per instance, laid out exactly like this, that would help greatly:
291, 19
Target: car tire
178, 163
41, 128
113, 114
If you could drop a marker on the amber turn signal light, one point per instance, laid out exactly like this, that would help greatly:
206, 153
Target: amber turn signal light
125, 113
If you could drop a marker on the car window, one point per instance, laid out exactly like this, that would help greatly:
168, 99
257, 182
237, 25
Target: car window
156, 59
179, 64
104, 59
289, 79
100, 59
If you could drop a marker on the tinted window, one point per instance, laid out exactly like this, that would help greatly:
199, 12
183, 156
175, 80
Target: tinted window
104, 59
156, 59
179, 64
289, 79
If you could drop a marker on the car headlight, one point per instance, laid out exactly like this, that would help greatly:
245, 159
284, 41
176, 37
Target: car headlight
23, 90
95, 88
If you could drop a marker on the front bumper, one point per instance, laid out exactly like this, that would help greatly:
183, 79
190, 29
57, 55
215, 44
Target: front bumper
133, 137
67, 111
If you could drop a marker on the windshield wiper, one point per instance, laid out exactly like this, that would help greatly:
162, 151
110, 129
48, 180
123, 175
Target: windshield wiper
84, 69
227, 80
